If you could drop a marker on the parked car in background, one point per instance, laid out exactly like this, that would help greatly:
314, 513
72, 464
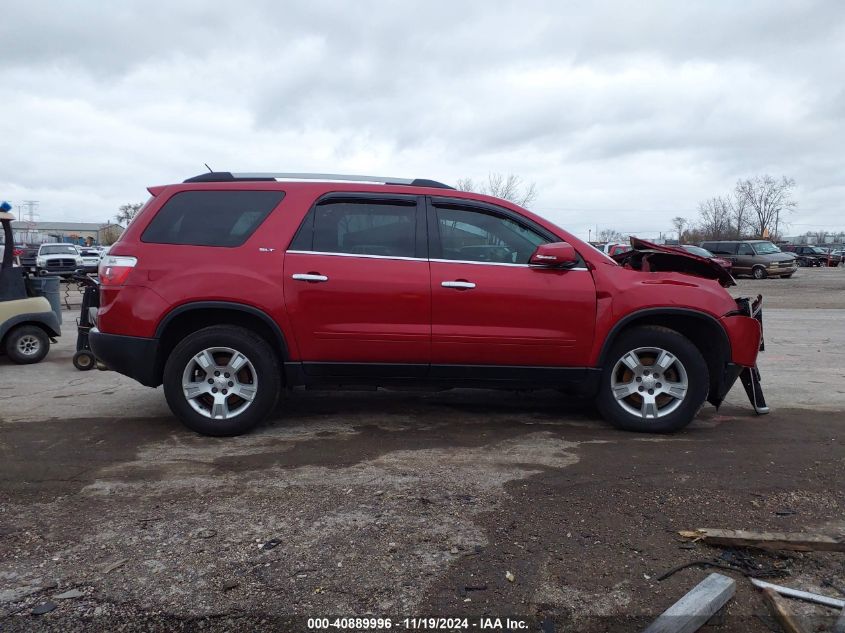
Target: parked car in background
58, 259
813, 255
17, 251
703, 252
227, 288
614, 248
91, 259
757, 258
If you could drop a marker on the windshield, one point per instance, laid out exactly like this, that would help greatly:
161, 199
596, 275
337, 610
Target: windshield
58, 249
819, 251
90, 253
765, 248
697, 250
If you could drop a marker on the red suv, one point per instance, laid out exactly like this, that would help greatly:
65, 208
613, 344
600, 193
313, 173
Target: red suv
228, 287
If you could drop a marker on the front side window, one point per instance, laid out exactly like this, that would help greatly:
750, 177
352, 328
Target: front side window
766, 248
476, 236
211, 218
363, 227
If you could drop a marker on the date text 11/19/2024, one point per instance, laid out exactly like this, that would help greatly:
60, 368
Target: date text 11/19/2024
416, 624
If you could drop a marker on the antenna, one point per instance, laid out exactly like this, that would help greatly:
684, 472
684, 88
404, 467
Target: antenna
210, 170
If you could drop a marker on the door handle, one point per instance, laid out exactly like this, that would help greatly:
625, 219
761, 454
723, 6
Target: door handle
460, 285
313, 277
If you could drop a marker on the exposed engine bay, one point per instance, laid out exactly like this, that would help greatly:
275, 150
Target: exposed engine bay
649, 257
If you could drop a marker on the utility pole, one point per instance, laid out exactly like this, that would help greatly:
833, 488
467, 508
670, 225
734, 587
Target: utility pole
31, 206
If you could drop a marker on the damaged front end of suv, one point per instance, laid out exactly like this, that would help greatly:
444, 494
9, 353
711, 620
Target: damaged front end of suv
649, 257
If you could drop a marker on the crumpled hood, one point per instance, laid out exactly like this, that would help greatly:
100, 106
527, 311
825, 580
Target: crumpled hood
649, 257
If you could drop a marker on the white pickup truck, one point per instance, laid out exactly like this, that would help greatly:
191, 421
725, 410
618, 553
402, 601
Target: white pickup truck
58, 259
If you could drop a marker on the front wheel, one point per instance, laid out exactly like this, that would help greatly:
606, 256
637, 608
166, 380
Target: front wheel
222, 380
655, 381
27, 344
759, 272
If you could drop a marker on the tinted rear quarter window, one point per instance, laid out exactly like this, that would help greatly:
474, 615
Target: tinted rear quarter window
211, 218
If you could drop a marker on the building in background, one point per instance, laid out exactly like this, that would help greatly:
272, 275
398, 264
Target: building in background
81, 233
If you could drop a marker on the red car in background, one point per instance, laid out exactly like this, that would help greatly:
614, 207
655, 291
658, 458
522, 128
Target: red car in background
703, 252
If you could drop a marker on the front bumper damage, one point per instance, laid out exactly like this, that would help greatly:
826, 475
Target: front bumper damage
750, 376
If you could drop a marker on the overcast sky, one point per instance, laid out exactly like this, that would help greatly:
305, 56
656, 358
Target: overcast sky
624, 114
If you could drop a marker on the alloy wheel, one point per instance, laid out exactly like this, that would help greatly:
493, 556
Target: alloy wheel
649, 382
219, 383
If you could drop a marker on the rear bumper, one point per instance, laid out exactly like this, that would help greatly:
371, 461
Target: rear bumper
131, 356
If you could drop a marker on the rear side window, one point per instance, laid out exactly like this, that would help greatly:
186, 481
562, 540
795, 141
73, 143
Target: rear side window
211, 218
721, 248
361, 227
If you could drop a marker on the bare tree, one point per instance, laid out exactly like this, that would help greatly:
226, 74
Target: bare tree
768, 199
679, 223
609, 235
715, 218
739, 212
508, 187
127, 211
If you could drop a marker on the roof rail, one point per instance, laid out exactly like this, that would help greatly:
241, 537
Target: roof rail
225, 176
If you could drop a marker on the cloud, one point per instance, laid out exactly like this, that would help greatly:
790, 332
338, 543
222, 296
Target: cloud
624, 115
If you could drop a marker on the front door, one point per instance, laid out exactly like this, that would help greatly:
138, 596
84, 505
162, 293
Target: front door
489, 307
357, 286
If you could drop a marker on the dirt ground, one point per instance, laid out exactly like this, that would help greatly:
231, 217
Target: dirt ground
416, 504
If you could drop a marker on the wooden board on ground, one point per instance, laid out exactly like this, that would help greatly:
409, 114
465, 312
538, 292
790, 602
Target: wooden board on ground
692, 611
798, 542
781, 612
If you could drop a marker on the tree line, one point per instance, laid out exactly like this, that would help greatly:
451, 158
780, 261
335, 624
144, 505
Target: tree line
757, 207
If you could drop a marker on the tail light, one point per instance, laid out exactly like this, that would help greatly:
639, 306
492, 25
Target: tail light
114, 269
17, 252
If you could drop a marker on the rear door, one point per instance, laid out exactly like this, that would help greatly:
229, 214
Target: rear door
357, 286
489, 307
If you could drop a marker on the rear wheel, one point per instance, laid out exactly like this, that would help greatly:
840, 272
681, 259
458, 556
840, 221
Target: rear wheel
758, 272
222, 380
655, 380
27, 344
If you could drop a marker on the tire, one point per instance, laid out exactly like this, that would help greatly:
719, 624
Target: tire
758, 272
648, 344
801, 263
256, 375
84, 360
27, 344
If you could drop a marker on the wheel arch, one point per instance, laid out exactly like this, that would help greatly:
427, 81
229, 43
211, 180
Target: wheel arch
48, 323
191, 317
704, 330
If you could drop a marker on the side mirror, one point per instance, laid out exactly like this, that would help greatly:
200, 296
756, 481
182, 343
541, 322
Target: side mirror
554, 255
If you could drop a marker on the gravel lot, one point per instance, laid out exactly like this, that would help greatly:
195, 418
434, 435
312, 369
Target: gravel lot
405, 504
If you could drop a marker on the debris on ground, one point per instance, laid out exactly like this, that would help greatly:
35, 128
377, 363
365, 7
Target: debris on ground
204, 533
273, 542
509, 575
836, 603
69, 595
780, 611
700, 604
44, 607
112, 566
796, 542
